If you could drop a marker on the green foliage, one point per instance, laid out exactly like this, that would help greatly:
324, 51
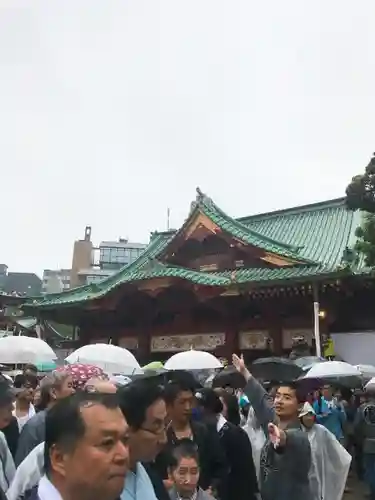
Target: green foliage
366, 239
360, 194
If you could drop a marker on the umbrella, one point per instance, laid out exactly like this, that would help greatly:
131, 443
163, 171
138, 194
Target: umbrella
81, 373
274, 368
110, 358
370, 385
229, 377
336, 372
47, 366
120, 380
192, 360
20, 350
367, 371
154, 365
307, 362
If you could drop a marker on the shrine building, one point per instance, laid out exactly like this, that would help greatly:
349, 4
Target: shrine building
227, 285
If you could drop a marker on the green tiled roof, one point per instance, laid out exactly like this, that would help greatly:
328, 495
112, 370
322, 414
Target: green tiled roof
244, 233
315, 235
321, 231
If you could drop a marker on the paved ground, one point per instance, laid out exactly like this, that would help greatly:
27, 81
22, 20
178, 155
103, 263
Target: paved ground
357, 490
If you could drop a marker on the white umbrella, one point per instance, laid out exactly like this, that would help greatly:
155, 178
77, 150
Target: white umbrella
20, 350
192, 360
108, 357
336, 371
367, 371
370, 384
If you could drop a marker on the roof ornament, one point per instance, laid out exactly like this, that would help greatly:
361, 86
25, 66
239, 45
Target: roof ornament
202, 197
152, 264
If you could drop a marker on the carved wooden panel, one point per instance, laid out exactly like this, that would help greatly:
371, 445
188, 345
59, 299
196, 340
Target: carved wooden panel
130, 343
176, 343
253, 339
290, 333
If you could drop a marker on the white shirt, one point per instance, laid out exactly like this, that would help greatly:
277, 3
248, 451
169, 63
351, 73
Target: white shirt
28, 473
47, 491
22, 420
221, 421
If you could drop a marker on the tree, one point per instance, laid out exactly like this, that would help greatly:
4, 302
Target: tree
365, 244
360, 195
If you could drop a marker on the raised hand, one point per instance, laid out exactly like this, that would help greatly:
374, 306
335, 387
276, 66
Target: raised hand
276, 435
239, 364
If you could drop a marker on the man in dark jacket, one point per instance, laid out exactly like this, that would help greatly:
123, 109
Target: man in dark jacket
241, 482
364, 432
180, 399
286, 455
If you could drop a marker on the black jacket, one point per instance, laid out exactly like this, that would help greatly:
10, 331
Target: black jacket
241, 482
213, 464
157, 482
32, 434
12, 434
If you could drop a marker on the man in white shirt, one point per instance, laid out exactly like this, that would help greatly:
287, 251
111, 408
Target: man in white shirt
86, 449
24, 387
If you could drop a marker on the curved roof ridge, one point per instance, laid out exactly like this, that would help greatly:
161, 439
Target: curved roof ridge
243, 227
210, 208
310, 207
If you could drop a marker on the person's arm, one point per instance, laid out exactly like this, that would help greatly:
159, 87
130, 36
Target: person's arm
342, 415
6, 458
257, 395
358, 425
27, 441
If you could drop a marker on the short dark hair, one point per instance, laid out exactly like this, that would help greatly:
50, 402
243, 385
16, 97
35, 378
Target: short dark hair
186, 448
22, 380
136, 397
299, 391
6, 392
233, 408
174, 387
64, 423
209, 399
31, 368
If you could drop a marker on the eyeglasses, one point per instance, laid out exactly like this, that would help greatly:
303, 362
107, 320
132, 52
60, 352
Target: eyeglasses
160, 432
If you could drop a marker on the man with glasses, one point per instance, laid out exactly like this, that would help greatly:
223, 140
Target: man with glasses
142, 403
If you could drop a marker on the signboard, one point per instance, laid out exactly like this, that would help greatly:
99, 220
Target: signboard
130, 343
178, 343
290, 333
254, 339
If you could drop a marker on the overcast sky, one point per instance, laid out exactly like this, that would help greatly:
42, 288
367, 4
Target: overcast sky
111, 111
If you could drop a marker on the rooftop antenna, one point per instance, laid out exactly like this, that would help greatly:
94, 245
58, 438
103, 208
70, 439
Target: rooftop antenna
168, 218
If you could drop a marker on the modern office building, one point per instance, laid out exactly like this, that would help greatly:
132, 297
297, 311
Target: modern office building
56, 280
92, 264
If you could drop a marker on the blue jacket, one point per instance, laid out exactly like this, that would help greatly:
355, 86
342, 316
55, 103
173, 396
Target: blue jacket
333, 417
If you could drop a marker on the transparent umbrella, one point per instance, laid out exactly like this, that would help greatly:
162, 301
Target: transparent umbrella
192, 360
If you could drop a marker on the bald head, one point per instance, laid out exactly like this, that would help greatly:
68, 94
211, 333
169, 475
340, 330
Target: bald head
99, 385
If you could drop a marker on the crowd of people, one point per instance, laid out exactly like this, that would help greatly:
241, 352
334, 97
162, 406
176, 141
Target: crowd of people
65, 438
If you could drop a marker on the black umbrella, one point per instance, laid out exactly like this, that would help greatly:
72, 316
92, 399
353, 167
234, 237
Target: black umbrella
274, 368
229, 377
164, 377
306, 362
